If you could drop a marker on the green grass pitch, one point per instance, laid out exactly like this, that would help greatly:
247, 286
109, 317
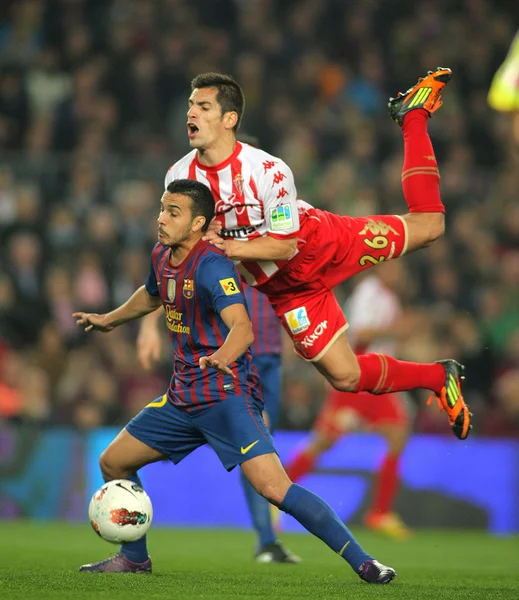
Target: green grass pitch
41, 561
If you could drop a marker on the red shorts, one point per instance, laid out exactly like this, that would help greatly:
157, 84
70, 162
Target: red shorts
345, 411
333, 248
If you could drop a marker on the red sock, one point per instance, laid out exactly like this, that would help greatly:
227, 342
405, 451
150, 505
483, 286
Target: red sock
386, 484
420, 175
382, 374
300, 465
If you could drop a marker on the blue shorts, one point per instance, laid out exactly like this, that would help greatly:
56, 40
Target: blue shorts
234, 428
269, 370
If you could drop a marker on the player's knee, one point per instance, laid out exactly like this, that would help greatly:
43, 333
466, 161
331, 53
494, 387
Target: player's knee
349, 381
110, 467
436, 227
273, 491
432, 229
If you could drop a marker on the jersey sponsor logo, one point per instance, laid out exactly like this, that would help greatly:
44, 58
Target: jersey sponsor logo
174, 321
241, 232
233, 202
281, 217
229, 286
188, 289
297, 320
247, 448
309, 340
171, 289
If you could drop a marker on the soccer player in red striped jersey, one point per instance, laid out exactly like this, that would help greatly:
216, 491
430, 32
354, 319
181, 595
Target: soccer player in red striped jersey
297, 254
213, 396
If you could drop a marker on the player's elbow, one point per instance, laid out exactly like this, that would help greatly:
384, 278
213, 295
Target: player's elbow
248, 337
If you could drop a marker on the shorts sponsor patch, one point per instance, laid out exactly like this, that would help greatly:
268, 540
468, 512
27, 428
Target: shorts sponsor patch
229, 286
281, 218
297, 320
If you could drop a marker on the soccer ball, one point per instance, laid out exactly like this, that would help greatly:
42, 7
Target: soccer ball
120, 511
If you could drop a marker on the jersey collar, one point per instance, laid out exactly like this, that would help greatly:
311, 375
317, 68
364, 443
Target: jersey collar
223, 164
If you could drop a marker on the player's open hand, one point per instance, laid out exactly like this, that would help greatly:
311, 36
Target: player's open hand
92, 322
212, 362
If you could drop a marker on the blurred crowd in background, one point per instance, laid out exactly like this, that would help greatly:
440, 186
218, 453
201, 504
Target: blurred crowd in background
93, 96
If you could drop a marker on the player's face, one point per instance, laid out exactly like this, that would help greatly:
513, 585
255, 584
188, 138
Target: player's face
175, 223
205, 122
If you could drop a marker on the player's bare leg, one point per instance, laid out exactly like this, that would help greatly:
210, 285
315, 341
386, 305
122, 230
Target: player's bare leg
382, 374
381, 517
121, 460
267, 476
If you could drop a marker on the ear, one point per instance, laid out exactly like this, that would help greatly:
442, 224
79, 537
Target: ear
198, 223
230, 119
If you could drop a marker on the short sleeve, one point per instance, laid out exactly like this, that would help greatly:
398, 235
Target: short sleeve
278, 193
220, 281
151, 285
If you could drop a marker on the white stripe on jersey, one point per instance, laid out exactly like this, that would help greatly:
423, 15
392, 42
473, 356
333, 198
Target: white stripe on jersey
255, 195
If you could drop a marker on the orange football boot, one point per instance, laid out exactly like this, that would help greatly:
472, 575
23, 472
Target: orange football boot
427, 94
451, 401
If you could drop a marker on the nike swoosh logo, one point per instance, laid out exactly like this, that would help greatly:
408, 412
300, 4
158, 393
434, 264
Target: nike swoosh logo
343, 548
245, 450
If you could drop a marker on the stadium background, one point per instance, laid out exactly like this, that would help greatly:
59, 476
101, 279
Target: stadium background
92, 113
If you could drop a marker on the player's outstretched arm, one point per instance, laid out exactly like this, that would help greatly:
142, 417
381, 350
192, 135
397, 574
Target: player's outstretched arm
141, 303
148, 340
239, 338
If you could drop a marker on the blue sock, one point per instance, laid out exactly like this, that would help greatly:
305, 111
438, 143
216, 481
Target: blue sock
135, 551
259, 509
319, 518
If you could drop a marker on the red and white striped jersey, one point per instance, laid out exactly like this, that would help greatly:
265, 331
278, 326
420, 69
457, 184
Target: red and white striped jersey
371, 306
254, 194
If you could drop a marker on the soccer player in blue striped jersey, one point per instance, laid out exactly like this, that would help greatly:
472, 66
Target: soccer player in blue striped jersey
213, 396
266, 353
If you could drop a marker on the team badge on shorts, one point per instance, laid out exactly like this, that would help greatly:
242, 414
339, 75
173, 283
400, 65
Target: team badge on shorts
189, 288
297, 320
171, 289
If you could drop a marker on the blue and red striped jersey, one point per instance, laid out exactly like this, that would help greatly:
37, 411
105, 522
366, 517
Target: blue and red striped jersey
193, 294
266, 326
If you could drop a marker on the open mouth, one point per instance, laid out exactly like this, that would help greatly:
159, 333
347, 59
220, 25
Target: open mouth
192, 130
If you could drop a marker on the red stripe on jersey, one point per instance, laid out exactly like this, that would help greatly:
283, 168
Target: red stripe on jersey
255, 270
214, 184
242, 215
254, 189
192, 171
192, 305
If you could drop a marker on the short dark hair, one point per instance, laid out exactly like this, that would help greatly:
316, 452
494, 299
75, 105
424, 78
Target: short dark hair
202, 200
230, 95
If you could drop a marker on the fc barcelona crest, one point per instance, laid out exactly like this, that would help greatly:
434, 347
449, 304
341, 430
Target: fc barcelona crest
189, 289
171, 289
